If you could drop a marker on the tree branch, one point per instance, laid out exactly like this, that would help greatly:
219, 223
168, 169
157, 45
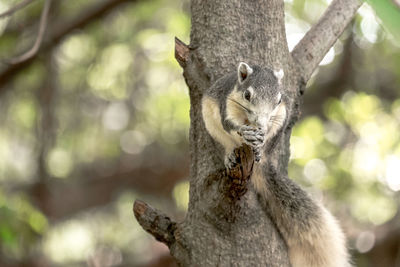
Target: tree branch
93, 190
309, 52
15, 8
181, 52
155, 222
42, 29
337, 83
59, 32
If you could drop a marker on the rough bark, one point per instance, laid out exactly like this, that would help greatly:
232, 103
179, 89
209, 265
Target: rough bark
225, 224
309, 52
218, 230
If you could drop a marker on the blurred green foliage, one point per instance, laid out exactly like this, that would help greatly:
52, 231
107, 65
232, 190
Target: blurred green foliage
354, 155
117, 91
20, 225
389, 12
110, 99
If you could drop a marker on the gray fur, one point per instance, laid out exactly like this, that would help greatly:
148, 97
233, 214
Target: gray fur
220, 91
313, 236
289, 203
263, 80
265, 84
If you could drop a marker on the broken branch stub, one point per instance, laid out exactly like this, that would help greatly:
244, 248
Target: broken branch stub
155, 222
181, 52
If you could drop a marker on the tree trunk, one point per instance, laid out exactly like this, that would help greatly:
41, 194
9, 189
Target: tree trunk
225, 224
221, 232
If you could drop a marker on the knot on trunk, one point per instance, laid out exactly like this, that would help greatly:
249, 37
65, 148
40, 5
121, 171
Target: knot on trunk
237, 178
231, 185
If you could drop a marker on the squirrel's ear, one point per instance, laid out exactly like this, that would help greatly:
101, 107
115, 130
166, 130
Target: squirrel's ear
244, 71
279, 75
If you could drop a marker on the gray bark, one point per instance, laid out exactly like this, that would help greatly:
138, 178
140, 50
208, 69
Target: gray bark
323, 35
225, 224
218, 231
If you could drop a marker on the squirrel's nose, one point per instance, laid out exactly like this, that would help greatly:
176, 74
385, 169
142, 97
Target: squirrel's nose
261, 121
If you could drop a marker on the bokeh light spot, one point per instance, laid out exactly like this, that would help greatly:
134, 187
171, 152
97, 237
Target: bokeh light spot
59, 163
365, 241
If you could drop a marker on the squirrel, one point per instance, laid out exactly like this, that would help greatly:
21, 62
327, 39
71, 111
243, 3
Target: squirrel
248, 106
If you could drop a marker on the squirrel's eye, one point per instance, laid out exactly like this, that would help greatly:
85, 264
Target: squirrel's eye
247, 95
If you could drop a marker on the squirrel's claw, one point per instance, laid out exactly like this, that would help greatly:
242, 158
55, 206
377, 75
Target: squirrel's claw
252, 136
230, 160
257, 154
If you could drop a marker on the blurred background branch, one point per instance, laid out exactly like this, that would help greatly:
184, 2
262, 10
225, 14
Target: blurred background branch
42, 29
15, 8
58, 32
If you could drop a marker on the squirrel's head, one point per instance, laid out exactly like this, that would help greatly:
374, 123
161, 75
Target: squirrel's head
258, 92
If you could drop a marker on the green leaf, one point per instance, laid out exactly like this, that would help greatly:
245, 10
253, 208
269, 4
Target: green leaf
389, 14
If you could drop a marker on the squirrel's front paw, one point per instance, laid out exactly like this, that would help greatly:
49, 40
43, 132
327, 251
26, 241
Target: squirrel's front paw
230, 160
257, 154
252, 136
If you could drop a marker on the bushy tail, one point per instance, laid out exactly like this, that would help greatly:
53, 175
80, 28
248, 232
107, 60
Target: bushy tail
313, 235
